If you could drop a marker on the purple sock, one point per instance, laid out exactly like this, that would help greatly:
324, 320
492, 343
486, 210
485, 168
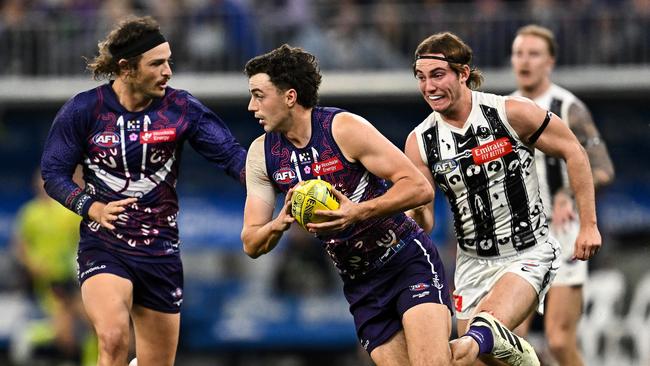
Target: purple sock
483, 336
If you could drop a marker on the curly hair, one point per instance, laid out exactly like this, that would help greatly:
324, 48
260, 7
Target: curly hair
104, 65
455, 50
289, 68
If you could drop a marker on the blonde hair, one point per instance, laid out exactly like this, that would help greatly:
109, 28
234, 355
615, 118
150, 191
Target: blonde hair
541, 32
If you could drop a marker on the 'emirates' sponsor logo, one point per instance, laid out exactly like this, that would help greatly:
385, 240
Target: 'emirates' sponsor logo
491, 151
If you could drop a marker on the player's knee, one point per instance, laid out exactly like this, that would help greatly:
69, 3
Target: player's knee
113, 341
561, 343
463, 350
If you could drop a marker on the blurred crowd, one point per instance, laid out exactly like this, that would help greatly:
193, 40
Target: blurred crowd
51, 37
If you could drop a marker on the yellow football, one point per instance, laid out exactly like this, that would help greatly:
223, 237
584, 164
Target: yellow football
312, 195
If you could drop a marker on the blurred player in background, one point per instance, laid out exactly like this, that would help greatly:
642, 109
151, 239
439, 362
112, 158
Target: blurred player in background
533, 59
478, 148
392, 275
45, 243
128, 134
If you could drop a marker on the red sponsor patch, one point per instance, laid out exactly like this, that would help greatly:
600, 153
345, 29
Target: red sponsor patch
156, 136
326, 166
458, 302
491, 151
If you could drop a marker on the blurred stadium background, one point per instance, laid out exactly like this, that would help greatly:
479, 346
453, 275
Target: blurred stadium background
286, 308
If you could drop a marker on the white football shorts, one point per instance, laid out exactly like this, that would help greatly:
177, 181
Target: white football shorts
475, 277
571, 273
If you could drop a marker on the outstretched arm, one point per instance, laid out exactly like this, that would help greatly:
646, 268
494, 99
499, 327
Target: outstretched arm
210, 136
558, 140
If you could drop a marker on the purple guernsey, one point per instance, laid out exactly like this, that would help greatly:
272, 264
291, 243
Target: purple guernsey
357, 250
132, 154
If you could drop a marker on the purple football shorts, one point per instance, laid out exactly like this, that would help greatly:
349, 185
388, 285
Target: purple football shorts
157, 286
413, 275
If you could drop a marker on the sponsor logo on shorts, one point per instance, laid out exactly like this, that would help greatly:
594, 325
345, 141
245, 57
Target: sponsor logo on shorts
421, 295
419, 287
436, 282
365, 343
529, 267
177, 295
92, 269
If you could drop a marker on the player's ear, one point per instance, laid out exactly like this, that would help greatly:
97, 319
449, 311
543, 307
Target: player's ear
551, 64
291, 97
464, 73
126, 68
123, 64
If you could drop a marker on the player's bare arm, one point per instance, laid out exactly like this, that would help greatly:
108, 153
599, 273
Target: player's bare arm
558, 140
583, 126
360, 141
423, 215
261, 232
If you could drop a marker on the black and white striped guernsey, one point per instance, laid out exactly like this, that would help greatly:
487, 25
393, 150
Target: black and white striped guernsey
488, 175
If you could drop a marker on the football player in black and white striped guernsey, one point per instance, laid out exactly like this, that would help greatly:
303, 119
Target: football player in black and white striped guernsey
478, 148
533, 58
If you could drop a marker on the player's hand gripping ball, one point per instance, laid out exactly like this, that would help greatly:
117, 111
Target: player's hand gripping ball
312, 195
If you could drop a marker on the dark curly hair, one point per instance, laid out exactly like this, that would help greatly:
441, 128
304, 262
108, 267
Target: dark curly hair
290, 68
104, 66
455, 50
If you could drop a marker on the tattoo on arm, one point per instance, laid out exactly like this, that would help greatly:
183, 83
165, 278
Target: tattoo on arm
583, 126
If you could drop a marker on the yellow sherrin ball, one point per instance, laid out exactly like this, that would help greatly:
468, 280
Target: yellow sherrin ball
312, 195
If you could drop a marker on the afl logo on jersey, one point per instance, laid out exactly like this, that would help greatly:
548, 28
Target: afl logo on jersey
445, 166
284, 176
106, 139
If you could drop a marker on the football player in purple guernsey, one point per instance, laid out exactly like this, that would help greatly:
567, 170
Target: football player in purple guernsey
128, 135
392, 275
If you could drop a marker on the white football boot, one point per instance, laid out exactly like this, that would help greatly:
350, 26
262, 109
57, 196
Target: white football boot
508, 347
